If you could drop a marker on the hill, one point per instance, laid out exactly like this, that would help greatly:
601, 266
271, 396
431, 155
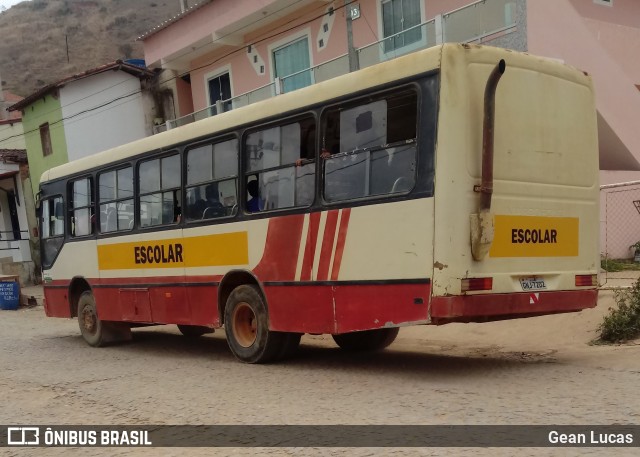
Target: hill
43, 41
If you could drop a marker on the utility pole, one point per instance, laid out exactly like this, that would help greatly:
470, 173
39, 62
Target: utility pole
350, 12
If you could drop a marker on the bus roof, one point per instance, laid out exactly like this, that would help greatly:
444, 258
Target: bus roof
373, 76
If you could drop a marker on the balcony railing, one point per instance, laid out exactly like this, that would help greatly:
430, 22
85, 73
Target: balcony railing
477, 22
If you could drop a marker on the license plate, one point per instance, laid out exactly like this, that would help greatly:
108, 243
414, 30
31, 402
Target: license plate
532, 284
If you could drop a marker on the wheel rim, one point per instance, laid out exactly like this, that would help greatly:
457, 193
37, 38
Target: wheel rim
244, 325
89, 320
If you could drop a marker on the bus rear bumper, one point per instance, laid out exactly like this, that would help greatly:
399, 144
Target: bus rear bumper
490, 307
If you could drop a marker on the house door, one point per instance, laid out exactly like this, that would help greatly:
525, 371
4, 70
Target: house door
13, 213
219, 89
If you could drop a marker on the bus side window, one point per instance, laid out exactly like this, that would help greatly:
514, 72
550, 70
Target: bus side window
82, 216
159, 181
52, 229
280, 166
212, 175
115, 195
373, 146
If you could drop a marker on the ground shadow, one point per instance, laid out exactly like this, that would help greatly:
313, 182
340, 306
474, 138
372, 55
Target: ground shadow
413, 362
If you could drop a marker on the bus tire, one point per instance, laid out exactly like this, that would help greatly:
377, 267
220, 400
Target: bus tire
246, 324
95, 331
194, 331
368, 340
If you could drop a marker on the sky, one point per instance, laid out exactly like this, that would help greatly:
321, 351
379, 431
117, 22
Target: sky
8, 3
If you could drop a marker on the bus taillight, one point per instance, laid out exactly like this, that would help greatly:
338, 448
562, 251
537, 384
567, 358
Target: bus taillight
473, 284
586, 280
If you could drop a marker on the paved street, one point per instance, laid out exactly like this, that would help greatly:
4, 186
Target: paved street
532, 371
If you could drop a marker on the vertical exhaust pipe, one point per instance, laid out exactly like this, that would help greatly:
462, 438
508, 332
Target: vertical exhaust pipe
482, 222
486, 186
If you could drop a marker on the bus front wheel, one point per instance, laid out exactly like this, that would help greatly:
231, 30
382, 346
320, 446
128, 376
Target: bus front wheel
368, 340
95, 331
247, 327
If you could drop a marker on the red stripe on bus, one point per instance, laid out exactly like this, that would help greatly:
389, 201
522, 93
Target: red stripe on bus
342, 235
310, 248
281, 249
327, 245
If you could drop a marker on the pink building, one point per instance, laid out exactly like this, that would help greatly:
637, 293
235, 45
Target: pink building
220, 54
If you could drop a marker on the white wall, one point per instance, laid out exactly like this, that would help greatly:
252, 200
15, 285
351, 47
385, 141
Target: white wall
12, 135
102, 128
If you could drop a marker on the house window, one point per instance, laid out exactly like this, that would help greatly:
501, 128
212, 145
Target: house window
400, 22
45, 139
219, 88
292, 64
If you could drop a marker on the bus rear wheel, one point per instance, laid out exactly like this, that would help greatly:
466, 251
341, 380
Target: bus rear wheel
368, 340
246, 324
194, 331
95, 331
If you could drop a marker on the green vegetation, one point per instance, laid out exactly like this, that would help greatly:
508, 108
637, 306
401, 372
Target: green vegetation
622, 323
613, 265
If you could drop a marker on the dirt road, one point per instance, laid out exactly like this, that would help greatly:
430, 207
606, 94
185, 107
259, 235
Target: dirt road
531, 371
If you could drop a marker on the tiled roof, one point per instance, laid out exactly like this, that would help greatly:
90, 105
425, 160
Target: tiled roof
13, 155
11, 99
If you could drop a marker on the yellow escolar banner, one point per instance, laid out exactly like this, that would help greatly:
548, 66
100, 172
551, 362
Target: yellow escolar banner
533, 236
198, 251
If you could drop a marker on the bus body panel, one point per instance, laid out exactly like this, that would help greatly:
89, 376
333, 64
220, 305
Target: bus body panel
545, 188
315, 256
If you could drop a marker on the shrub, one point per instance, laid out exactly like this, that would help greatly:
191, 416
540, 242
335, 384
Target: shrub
623, 323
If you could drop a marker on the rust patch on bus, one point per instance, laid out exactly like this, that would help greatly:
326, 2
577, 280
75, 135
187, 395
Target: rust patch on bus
440, 266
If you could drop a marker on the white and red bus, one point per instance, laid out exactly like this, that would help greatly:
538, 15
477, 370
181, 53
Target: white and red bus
455, 184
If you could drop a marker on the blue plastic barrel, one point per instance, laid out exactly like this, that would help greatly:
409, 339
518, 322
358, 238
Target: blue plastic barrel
9, 295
